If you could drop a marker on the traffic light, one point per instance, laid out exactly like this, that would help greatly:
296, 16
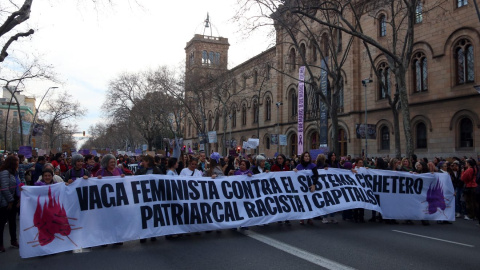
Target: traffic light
184, 147
238, 149
84, 134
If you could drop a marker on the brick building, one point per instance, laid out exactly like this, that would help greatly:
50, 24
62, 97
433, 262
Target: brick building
443, 102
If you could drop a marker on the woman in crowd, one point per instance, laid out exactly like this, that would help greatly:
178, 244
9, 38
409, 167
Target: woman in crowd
91, 165
444, 167
332, 161
458, 185
215, 167
172, 167
109, 167
406, 166
9, 199
191, 170
47, 178
305, 163
469, 177
56, 178
260, 168
77, 171
148, 166
244, 168
380, 164
420, 167
358, 213
230, 166
280, 164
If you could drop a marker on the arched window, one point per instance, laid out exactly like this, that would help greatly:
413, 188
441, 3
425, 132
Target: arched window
342, 142
464, 62
384, 85
217, 120
324, 42
421, 135
293, 102
267, 142
466, 133
293, 145
314, 141
244, 114
255, 111
382, 30
313, 49
212, 58
419, 13
255, 77
292, 59
204, 58
268, 109
303, 50
217, 59
210, 119
461, 3
234, 117
192, 58
385, 138
420, 72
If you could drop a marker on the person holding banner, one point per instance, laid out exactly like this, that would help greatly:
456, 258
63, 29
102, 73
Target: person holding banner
109, 167
305, 163
47, 178
244, 168
172, 166
215, 168
148, 166
77, 170
280, 164
9, 199
91, 165
260, 168
191, 170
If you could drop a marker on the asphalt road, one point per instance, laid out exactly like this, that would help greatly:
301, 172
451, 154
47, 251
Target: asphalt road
345, 245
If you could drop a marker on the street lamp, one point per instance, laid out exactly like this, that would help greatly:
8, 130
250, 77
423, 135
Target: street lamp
8, 112
278, 126
36, 112
364, 83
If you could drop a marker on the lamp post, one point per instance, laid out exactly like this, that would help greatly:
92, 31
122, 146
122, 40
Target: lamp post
8, 112
365, 129
278, 126
36, 112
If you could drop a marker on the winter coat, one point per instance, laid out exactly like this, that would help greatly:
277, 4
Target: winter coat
8, 183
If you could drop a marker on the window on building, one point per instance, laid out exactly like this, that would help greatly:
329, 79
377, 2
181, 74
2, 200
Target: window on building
204, 58
267, 142
342, 142
421, 135
244, 115
325, 46
385, 84
255, 111
255, 77
315, 141
268, 72
234, 117
292, 59
268, 109
210, 120
382, 25
15, 113
217, 121
461, 3
419, 13
385, 139
303, 50
217, 59
464, 62
192, 58
466, 133
420, 72
211, 59
313, 50
22, 113
293, 102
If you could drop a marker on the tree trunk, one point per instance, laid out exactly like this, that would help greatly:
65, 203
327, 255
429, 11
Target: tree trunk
402, 87
396, 130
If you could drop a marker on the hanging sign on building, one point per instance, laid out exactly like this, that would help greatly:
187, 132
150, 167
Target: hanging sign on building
301, 102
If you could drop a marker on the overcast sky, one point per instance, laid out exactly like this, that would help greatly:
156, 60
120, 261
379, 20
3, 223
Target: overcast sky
89, 46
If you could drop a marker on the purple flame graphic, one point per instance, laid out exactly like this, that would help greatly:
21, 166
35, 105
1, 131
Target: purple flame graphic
435, 198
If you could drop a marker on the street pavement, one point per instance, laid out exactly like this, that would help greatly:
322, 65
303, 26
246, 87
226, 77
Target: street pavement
346, 245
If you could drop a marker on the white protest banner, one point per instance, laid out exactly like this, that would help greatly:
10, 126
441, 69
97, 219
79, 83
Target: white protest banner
403, 195
94, 212
254, 142
212, 136
246, 145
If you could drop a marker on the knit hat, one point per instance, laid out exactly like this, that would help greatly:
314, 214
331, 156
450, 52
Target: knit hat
215, 156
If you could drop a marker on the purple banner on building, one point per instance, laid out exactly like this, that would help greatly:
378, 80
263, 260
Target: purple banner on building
301, 102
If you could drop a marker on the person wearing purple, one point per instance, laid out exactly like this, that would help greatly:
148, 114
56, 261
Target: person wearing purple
244, 168
47, 178
305, 163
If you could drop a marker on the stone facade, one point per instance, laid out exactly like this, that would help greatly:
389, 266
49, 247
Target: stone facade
444, 114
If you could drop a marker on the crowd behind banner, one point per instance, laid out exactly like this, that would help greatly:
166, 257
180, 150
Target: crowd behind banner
16, 171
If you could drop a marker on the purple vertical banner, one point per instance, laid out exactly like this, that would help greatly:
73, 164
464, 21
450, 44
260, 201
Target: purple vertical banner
301, 92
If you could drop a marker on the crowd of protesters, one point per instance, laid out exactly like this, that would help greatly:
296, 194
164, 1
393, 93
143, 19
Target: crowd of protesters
16, 171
